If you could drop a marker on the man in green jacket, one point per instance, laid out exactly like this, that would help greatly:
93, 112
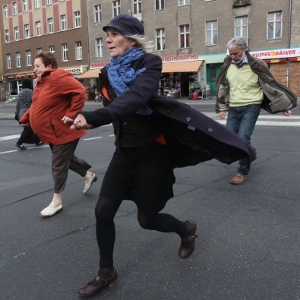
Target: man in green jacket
244, 86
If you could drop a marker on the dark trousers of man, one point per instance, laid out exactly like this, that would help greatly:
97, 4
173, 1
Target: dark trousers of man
63, 159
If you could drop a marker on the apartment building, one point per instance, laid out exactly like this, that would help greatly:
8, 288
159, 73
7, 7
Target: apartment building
189, 35
31, 26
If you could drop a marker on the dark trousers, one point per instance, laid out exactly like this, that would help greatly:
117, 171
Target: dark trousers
63, 159
28, 137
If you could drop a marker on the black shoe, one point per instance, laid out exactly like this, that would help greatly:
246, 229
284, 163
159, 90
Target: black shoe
188, 244
39, 143
21, 147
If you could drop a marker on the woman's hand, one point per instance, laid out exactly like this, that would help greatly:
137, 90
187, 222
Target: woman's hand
66, 119
25, 124
80, 123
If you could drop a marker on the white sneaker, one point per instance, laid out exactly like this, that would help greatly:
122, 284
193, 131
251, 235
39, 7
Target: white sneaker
89, 182
50, 211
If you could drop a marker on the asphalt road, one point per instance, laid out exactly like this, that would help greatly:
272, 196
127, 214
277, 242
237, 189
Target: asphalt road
248, 244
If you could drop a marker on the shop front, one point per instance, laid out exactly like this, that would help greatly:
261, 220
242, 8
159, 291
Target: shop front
178, 74
284, 65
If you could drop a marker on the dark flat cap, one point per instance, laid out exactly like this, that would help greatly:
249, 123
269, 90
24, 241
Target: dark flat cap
126, 24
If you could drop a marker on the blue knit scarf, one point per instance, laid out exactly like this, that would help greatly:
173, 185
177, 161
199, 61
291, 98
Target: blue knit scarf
121, 76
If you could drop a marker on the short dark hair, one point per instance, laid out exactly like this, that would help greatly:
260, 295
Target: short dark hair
47, 58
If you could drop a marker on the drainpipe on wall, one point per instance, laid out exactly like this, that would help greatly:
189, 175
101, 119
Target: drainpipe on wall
289, 43
87, 32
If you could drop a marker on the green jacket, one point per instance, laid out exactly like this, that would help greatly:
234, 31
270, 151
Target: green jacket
277, 97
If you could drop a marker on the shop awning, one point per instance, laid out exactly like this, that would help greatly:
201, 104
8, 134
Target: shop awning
93, 73
181, 66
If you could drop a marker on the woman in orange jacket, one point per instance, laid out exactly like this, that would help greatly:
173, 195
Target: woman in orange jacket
57, 97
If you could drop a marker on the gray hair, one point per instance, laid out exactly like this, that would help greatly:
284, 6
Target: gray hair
237, 41
142, 42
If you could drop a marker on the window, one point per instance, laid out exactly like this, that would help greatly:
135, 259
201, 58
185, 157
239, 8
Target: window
63, 22
274, 25
18, 59
77, 19
241, 27
16, 31
52, 49
116, 6
6, 36
28, 58
50, 25
25, 5
184, 2
37, 4
78, 51
38, 50
5, 11
8, 61
159, 4
211, 33
15, 8
184, 36
137, 9
26, 31
98, 13
49, 2
65, 54
160, 39
99, 47
38, 29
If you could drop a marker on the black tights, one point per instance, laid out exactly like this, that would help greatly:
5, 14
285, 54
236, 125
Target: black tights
105, 212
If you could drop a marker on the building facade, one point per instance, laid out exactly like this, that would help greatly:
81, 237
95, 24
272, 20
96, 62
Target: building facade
189, 35
32, 26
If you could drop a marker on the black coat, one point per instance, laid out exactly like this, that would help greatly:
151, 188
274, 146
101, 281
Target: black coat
192, 136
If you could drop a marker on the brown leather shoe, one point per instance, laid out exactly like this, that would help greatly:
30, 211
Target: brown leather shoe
238, 179
94, 287
188, 244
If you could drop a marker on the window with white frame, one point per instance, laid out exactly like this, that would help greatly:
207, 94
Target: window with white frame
28, 58
38, 28
116, 8
98, 13
184, 2
211, 33
241, 27
63, 22
99, 47
16, 31
137, 9
159, 4
49, 2
15, 8
37, 4
50, 25
5, 11
65, 52
39, 50
274, 25
8, 61
25, 5
160, 39
78, 51
52, 49
18, 59
77, 19
6, 32
184, 36
26, 31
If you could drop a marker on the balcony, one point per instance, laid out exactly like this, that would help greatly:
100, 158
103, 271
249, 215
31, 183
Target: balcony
239, 3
